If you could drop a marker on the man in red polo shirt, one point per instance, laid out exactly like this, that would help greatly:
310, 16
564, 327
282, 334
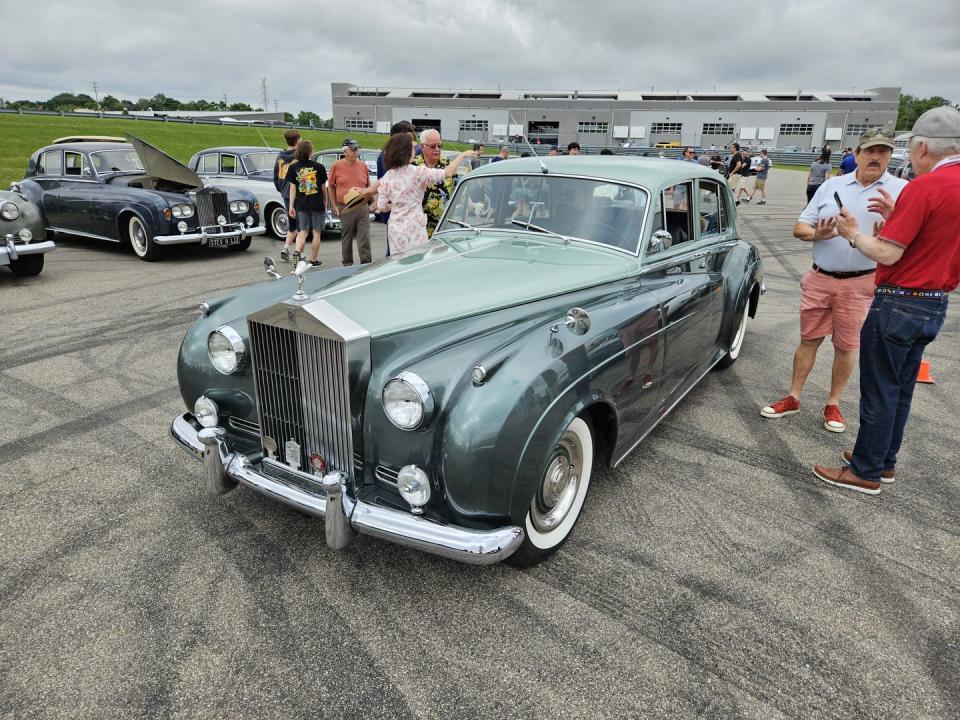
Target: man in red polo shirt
918, 265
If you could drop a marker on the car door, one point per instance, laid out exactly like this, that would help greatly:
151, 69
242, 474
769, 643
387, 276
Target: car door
678, 271
49, 176
80, 211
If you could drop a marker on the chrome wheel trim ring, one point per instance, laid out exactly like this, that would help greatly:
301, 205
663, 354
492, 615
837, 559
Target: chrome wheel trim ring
559, 486
138, 236
279, 222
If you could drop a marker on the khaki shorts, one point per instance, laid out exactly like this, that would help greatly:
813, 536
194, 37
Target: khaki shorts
733, 180
746, 183
761, 183
830, 306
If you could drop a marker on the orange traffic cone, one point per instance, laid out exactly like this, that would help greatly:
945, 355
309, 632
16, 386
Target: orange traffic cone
923, 376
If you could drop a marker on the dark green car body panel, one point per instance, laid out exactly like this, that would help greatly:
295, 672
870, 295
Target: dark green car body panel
499, 300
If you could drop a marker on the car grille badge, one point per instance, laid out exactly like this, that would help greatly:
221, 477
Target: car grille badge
270, 445
292, 453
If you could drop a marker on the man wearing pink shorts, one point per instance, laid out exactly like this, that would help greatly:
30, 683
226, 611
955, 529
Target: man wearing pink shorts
836, 294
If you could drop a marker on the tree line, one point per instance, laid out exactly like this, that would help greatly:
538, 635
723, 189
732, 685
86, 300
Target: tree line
69, 102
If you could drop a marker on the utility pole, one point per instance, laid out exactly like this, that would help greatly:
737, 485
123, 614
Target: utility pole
96, 94
276, 105
263, 92
224, 101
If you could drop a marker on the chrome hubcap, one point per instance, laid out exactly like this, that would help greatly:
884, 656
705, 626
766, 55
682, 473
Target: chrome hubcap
279, 222
559, 486
138, 236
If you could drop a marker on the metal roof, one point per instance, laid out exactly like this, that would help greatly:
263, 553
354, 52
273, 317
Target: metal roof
649, 172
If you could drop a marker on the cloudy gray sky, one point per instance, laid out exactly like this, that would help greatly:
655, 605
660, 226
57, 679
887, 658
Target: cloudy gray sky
208, 48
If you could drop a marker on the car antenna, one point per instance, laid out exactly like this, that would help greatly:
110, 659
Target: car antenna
543, 168
262, 138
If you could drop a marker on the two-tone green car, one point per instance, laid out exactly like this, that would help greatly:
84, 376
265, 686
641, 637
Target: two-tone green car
22, 235
456, 398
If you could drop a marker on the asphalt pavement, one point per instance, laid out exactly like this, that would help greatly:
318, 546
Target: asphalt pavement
711, 575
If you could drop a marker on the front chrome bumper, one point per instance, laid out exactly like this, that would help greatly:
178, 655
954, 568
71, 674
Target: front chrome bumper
211, 233
10, 250
343, 514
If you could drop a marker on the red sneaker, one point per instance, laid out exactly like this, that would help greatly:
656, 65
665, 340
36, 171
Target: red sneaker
784, 406
833, 419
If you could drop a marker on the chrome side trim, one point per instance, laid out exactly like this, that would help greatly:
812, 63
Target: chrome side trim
669, 409
66, 231
476, 547
695, 253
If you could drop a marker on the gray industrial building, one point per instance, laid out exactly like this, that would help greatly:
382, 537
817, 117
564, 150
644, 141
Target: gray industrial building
774, 119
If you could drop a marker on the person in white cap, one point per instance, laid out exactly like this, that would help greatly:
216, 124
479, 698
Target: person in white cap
918, 264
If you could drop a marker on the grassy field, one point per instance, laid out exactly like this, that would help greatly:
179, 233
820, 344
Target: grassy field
20, 135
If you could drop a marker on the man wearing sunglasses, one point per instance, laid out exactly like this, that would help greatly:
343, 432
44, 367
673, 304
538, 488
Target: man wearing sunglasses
436, 196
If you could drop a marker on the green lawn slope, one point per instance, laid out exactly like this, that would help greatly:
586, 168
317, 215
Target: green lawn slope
20, 135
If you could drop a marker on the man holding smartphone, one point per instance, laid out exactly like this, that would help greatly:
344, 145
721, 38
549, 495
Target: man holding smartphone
836, 293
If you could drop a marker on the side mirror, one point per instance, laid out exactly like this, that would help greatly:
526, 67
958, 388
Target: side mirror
660, 241
271, 267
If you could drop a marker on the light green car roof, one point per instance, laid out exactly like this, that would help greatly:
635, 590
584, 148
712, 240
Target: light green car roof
652, 173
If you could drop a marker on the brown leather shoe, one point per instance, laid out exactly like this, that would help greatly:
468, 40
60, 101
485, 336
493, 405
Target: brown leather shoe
846, 478
887, 476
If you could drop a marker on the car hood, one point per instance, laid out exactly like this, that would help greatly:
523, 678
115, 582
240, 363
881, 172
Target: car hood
465, 275
156, 163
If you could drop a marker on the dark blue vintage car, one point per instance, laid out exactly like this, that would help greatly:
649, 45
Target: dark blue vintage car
135, 193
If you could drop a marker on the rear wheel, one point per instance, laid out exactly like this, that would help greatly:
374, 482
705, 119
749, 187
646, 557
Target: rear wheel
27, 266
736, 342
141, 242
279, 223
558, 500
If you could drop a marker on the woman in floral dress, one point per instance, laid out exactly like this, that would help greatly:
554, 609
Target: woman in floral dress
400, 191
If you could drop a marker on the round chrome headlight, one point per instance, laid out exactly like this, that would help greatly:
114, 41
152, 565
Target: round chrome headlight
206, 411
238, 207
414, 486
25, 235
407, 401
226, 349
182, 211
221, 220
9, 211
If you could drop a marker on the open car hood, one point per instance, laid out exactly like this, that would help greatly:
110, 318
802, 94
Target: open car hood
156, 163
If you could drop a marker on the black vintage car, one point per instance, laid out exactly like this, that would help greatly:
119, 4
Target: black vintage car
135, 193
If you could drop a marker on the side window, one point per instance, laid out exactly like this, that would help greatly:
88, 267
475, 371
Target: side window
49, 163
76, 164
677, 212
228, 164
712, 208
207, 164
327, 160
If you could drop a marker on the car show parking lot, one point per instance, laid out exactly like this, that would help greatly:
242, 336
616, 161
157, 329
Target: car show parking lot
711, 575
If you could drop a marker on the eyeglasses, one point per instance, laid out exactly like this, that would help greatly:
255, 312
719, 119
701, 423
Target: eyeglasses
433, 146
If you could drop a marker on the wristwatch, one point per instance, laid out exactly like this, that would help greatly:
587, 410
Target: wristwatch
853, 239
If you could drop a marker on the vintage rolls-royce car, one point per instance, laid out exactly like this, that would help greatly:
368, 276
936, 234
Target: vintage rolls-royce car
456, 398
136, 194
22, 234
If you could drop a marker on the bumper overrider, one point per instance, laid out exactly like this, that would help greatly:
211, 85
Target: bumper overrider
203, 235
11, 250
328, 498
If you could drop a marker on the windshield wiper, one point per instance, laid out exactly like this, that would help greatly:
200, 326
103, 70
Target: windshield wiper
530, 226
462, 224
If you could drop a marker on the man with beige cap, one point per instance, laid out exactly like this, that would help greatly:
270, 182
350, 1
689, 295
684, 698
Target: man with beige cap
918, 264
836, 293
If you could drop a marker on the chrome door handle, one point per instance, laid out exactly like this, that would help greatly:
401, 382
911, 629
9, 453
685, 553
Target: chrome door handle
675, 270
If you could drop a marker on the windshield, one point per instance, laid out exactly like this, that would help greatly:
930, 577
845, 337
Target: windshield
596, 210
259, 162
108, 161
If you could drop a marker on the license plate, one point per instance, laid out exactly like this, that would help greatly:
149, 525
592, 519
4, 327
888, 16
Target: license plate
223, 241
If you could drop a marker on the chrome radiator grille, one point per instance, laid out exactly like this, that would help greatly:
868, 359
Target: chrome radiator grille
303, 394
211, 204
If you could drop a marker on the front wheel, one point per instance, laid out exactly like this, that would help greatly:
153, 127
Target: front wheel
279, 222
242, 245
141, 242
558, 500
27, 266
736, 342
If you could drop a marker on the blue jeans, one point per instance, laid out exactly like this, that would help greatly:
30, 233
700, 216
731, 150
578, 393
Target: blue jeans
892, 341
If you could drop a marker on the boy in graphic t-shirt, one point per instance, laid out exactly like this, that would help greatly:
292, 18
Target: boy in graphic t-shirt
308, 181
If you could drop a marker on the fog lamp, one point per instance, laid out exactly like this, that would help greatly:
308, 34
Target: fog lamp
206, 411
182, 226
221, 220
249, 221
25, 235
414, 487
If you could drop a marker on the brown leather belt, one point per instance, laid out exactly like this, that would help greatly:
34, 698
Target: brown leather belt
843, 275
